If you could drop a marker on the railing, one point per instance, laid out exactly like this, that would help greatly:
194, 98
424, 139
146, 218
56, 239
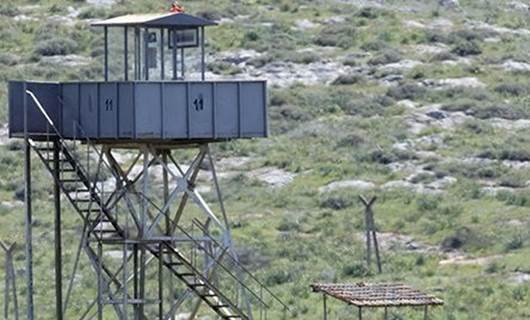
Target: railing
233, 260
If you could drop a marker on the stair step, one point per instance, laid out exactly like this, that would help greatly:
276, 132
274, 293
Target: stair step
70, 180
197, 285
90, 210
84, 200
220, 306
186, 274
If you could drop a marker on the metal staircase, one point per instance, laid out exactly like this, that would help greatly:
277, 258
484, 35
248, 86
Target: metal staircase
87, 195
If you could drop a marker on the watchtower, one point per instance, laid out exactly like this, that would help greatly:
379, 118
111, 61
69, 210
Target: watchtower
155, 244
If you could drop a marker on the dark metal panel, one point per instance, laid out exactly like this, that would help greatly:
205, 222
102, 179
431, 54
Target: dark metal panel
16, 107
89, 109
70, 97
148, 110
201, 119
47, 94
226, 113
252, 109
108, 110
174, 109
125, 110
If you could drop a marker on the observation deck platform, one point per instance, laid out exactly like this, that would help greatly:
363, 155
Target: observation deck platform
140, 111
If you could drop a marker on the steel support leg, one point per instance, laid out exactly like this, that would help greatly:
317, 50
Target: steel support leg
28, 230
58, 240
325, 300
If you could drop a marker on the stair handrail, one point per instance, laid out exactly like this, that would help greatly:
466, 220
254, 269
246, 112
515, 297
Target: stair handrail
240, 265
202, 248
61, 138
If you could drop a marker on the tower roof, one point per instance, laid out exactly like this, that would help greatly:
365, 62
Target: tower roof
156, 20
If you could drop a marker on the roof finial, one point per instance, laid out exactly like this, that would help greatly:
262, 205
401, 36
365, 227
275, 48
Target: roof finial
176, 7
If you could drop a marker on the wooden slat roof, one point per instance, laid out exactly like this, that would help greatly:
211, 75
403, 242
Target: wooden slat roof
156, 20
377, 295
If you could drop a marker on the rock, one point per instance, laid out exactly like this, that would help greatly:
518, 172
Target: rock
101, 3
516, 66
11, 204
441, 24
305, 24
24, 17
429, 49
451, 4
414, 24
399, 184
466, 82
391, 79
232, 163
71, 60
238, 57
402, 65
334, 20
437, 115
407, 104
519, 278
353, 184
274, 177
519, 6
432, 116
4, 135
500, 30
443, 183
495, 190
466, 261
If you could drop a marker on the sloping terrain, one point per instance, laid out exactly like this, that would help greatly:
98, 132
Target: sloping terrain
425, 104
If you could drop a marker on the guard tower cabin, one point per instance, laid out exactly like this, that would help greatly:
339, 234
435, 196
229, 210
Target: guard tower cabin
137, 107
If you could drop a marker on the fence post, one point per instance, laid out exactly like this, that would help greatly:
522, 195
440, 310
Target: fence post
371, 233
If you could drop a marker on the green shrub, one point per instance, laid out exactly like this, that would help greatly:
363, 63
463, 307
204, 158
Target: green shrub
260, 61
224, 68
343, 36
93, 12
337, 201
408, 91
442, 56
466, 48
210, 14
460, 238
8, 59
277, 278
369, 106
512, 89
356, 270
386, 57
370, 13
55, 46
427, 203
514, 243
376, 45
348, 79
304, 57
8, 9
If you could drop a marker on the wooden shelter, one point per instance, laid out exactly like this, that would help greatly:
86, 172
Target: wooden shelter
372, 295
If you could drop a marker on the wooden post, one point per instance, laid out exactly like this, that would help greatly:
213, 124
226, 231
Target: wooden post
371, 233
426, 313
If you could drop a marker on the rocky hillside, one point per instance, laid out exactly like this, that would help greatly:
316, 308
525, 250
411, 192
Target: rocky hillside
425, 104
